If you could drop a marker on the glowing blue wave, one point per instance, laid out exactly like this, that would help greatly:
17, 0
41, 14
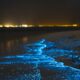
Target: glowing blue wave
43, 54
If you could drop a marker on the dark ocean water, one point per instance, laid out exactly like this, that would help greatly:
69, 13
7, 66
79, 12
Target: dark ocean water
52, 56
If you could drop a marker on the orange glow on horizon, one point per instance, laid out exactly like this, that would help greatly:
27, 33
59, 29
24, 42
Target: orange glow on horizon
75, 25
24, 25
40, 25
1, 25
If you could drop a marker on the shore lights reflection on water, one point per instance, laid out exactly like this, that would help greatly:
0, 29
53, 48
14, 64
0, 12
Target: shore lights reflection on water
42, 55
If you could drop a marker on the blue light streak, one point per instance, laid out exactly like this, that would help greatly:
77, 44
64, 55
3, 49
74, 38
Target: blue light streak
42, 54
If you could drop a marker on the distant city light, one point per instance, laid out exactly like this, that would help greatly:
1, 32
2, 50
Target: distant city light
24, 25
40, 25
1, 25
68, 25
8, 25
30, 25
75, 25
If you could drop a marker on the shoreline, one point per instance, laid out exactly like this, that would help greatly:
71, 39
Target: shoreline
28, 29
11, 33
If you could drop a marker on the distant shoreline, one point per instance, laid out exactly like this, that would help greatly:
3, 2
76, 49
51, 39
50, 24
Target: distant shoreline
34, 30
12, 33
38, 29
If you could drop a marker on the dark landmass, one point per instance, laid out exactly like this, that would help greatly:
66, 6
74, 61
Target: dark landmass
36, 29
20, 31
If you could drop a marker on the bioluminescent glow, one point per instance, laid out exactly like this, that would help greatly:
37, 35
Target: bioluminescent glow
42, 55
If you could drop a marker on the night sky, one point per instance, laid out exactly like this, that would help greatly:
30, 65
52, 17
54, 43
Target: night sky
40, 11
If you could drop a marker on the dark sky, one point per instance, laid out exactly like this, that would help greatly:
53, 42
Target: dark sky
40, 11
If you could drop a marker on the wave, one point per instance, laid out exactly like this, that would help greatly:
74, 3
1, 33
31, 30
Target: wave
42, 57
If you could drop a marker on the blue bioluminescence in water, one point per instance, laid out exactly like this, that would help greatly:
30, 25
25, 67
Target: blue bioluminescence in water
40, 57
